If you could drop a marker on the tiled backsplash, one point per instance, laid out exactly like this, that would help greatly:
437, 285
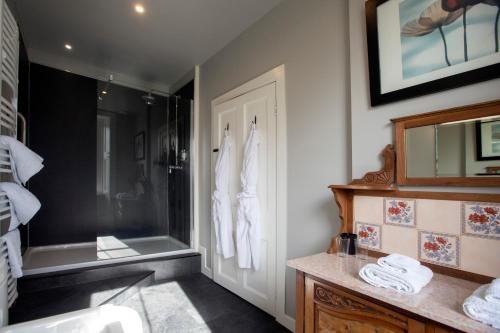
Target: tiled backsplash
461, 235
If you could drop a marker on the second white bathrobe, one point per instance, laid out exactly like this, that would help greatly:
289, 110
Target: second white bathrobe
248, 225
221, 203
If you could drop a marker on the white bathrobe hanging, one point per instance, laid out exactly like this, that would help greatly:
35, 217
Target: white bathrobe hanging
221, 203
248, 225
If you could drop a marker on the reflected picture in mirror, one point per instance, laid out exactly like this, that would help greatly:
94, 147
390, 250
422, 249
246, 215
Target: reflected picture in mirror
139, 146
488, 139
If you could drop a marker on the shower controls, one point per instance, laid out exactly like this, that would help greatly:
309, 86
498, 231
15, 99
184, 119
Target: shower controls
174, 167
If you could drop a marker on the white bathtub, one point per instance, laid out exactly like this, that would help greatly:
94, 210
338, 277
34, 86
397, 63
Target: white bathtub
101, 319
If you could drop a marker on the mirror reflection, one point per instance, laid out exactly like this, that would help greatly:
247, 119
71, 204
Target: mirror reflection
457, 149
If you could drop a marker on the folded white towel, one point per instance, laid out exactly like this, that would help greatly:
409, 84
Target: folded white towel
477, 308
13, 242
492, 293
25, 163
398, 262
409, 282
23, 204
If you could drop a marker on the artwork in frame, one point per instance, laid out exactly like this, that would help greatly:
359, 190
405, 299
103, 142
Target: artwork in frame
488, 139
418, 47
140, 146
163, 147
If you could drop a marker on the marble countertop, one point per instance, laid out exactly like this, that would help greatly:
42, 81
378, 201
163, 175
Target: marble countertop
441, 300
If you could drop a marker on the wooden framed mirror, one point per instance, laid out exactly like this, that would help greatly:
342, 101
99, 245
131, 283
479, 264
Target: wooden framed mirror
457, 147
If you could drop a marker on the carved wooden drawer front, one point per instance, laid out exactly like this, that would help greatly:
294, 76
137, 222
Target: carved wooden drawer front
328, 309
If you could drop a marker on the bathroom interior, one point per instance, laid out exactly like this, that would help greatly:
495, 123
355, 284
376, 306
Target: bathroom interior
249, 166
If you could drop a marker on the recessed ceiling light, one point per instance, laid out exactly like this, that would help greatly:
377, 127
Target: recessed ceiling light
139, 8
68, 46
104, 92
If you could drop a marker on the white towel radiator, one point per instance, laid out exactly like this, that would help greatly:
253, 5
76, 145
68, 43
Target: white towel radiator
9, 66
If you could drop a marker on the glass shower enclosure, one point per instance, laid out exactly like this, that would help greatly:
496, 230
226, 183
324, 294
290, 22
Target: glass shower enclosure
143, 173
143, 185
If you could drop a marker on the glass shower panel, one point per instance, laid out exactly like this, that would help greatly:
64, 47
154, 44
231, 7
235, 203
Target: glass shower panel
179, 169
143, 183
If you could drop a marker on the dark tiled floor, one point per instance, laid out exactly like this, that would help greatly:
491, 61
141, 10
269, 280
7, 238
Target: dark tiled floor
192, 303
49, 302
197, 304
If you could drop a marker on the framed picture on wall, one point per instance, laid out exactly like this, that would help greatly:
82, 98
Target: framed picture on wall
488, 140
418, 47
162, 144
140, 146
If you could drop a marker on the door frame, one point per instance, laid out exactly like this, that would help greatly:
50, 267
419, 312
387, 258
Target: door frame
277, 76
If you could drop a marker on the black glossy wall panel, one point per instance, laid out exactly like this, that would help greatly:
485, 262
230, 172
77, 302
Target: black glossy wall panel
62, 130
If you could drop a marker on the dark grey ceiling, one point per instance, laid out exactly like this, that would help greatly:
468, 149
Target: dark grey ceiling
146, 51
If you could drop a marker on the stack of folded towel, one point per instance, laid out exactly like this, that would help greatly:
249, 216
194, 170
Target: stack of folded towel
13, 241
25, 162
484, 304
397, 272
23, 204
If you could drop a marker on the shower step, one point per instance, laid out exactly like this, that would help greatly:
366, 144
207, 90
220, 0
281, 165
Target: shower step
163, 267
129, 291
59, 292
54, 301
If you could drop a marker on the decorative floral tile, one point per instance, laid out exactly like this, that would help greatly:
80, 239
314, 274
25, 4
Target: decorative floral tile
481, 219
369, 235
400, 212
437, 248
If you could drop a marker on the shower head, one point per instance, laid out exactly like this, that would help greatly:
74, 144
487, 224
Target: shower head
149, 99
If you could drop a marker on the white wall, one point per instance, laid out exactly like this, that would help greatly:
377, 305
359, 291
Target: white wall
310, 38
371, 127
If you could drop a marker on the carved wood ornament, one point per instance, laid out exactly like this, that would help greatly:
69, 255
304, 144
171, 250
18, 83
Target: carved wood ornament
327, 297
340, 302
382, 180
383, 177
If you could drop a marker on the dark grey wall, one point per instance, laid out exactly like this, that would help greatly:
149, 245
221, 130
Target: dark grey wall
63, 131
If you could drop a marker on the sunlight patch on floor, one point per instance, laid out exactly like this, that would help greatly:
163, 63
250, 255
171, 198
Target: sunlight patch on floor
165, 307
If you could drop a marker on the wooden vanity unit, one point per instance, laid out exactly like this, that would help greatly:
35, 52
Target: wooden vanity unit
331, 308
332, 298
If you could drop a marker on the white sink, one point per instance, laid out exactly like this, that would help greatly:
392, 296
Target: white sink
101, 319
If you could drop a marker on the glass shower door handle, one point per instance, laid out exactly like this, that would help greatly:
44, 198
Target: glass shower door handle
174, 167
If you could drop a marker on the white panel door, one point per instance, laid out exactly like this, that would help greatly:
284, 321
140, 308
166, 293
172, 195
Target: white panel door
257, 287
